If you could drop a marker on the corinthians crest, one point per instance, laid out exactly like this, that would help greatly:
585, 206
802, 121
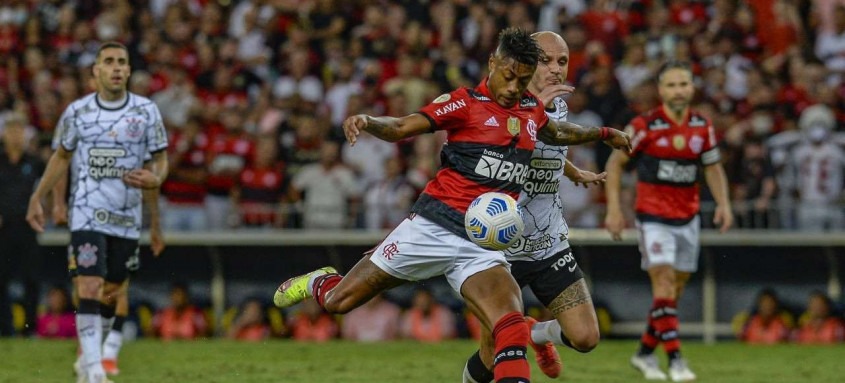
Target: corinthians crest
87, 256
513, 125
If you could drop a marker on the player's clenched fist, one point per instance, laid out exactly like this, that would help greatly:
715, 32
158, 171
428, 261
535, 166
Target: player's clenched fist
617, 139
353, 126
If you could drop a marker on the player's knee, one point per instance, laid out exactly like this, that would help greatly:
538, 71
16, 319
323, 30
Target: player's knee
89, 287
585, 341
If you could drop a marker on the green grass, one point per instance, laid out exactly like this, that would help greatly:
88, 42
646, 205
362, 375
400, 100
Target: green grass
24, 361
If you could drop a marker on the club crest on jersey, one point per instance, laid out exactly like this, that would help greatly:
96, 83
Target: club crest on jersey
133, 127
696, 143
532, 129
513, 125
679, 142
442, 98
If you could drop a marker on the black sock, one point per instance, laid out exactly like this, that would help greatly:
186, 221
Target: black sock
117, 325
88, 306
674, 355
645, 350
107, 311
477, 370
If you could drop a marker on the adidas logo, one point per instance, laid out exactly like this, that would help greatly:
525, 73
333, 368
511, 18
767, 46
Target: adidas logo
491, 122
663, 142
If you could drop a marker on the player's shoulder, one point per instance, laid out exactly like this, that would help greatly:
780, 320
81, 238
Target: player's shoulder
83, 101
138, 101
652, 120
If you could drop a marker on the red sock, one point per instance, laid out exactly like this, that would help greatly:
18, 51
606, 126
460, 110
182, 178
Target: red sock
510, 335
322, 285
666, 324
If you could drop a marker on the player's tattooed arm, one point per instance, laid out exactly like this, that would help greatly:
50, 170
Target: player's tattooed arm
390, 129
567, 133
575, 295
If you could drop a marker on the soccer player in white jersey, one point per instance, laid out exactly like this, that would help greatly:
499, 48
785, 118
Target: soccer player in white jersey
542, 258
105, 138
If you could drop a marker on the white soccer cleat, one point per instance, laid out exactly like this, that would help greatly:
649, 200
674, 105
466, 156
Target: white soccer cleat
647, 364
680, 372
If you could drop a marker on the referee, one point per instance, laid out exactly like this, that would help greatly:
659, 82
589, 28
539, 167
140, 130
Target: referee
19, 253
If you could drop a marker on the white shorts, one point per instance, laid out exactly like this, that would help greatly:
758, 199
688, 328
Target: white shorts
419, 249
662, 244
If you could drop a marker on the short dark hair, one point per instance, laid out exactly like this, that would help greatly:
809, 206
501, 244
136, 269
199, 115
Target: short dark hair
110, 44
673, 64
518, 44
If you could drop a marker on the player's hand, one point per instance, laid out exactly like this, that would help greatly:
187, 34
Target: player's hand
618, 140
586, 178
141, 179
353, 126
60, 214
615, 223
35, 215
723, 218
551, 91
156, 241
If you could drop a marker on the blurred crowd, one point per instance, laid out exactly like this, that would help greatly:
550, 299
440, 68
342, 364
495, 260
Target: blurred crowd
253, 93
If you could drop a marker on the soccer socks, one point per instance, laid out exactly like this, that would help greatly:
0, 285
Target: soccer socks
114, 339
321, 284
662, 328
475, 371
510, 335
90, 332
107, 313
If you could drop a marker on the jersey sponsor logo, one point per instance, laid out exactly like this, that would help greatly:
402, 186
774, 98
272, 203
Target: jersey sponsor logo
540, 177
679, 142
567, 258
532, 129
673, 172
106, 217
442, 98
528, 245
492, 165
527, 102
451, 107
697, 122
87, 255
696, 143
658, 124
478, 96
102, 163
513, 125
491, 122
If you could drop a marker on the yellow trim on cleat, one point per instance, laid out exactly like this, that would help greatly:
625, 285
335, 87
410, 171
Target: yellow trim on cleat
295, 290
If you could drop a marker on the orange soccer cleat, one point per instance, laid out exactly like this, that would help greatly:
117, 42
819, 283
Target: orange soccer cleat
110, 366
546, 354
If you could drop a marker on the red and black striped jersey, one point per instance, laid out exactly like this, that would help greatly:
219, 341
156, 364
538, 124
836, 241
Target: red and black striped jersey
488, 148
668, 158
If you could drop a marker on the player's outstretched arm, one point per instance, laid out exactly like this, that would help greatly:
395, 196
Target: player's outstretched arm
390, 129
567, 133
718, 184
56, 168
582, 177
614, 221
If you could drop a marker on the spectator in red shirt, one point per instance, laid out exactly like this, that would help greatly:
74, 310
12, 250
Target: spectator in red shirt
818, 325
180, 320
769, 323
185, 189
261, 191
59, 321
229, 153
250, 324
427, 320
312, 323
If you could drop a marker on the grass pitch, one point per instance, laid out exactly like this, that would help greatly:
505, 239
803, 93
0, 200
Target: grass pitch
25, 361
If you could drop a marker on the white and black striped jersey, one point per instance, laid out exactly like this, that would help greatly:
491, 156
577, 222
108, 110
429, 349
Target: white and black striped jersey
108, 140
546, 230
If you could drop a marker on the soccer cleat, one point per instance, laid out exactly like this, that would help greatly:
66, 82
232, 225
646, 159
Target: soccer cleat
110, 366
78, 368
647, 364
680, 372
95, 375
295, 290
546, 354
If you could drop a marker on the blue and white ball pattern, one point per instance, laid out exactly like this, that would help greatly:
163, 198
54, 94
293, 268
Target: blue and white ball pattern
494, 221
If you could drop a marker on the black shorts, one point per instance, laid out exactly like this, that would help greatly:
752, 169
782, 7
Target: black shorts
101, 255
549, 277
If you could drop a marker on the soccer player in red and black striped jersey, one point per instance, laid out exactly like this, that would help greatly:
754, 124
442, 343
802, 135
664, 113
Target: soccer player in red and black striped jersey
491, 131
671, 143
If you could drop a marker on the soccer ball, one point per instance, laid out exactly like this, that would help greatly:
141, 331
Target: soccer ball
494, 221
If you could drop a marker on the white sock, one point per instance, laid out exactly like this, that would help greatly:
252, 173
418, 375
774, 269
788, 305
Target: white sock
90, 332
106, 325
111, 347
318, 273
548, 331
467, 377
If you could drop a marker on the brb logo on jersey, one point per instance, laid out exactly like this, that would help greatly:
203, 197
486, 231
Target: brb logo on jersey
674, 172
103, 163
540, 177
493, 165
